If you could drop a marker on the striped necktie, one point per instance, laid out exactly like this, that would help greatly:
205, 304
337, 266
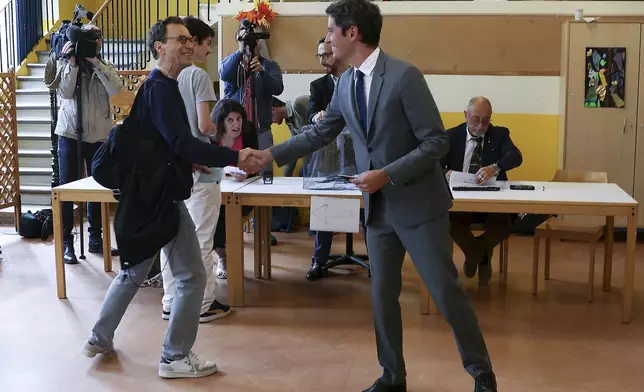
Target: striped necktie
477, 155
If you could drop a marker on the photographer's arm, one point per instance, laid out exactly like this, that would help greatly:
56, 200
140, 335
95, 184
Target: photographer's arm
68, 75
228, 68
108, 75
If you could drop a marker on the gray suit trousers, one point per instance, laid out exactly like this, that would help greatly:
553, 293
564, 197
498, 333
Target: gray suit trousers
428, 245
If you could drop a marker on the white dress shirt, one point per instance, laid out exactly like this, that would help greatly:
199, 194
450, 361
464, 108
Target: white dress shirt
470, 145
366, 68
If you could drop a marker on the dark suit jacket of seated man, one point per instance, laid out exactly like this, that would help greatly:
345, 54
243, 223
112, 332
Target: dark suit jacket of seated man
498, 149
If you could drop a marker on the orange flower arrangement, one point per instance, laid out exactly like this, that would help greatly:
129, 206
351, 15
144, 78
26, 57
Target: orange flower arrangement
260, 15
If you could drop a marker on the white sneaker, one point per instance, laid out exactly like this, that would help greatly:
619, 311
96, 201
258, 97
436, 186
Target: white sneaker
188, 367
90, 350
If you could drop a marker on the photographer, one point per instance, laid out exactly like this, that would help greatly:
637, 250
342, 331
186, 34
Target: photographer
266, 81
99, 82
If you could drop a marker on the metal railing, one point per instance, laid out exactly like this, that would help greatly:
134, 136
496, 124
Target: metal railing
23, 23
125, 23
7, 37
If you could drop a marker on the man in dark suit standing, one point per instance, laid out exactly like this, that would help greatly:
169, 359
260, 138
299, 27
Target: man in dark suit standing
322, 88
399, 140
480, 148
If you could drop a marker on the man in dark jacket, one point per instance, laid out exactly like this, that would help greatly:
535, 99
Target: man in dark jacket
322, 88
160, 111
480, 148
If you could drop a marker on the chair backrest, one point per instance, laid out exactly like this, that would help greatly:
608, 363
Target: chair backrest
580, 176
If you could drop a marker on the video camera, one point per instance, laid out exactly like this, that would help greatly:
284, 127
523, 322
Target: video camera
84, 40
248, 35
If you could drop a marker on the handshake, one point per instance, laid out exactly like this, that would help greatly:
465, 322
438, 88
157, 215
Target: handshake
252, 161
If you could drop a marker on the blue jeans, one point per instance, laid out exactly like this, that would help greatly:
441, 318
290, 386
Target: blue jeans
183, 257
324, 239
68, 171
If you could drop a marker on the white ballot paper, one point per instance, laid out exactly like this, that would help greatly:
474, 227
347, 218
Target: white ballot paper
233, 169
341, 215
467, 179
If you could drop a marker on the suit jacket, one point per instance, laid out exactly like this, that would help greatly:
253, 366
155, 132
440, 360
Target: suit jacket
497, 148
320, 97
404, 136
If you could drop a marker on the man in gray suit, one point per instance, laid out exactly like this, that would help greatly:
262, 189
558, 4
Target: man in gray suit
399, 140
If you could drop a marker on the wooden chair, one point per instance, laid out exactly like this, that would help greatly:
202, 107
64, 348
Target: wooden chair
557, 229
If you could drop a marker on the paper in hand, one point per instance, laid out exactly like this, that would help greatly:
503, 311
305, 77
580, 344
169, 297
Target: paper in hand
229, 170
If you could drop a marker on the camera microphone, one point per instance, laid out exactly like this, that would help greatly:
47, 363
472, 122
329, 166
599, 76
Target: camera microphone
74, 33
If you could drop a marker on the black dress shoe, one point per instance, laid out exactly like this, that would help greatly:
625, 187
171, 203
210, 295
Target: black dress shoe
379, 386
96, 246
315, 272
485, 382
70, 256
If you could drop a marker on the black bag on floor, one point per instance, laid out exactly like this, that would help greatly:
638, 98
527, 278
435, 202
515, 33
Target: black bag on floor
36, 225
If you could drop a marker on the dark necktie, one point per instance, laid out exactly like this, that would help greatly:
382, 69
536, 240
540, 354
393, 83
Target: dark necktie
361, 100
477, 155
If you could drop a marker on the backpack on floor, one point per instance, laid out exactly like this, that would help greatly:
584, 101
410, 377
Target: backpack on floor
37, 225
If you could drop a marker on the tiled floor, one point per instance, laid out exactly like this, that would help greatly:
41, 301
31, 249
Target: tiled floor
301, 336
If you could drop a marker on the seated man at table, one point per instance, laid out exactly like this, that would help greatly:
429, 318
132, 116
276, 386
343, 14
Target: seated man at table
478, 147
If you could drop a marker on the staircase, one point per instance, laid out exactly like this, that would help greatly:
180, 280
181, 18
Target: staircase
34, 120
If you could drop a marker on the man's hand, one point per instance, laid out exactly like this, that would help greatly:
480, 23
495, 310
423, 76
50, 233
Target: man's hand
448, 175
371, 181
200, 168
485, 173
255, 65
318, 116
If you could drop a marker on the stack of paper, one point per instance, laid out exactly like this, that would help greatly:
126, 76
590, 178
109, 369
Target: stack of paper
467, 179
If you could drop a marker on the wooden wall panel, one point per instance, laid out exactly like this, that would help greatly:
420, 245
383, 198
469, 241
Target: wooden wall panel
489, 45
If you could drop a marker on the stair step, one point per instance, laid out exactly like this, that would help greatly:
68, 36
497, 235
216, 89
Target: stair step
42, 199
39, 125
43, 57
34, 141
33, 110
34, 158
32, 96
33, 136
35, 176
30, 82
36, 69
34, 153
37, 189
35, 170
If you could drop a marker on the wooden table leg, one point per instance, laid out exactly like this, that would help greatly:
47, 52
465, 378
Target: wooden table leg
57, 217
608, 251
257, 244
629, 270
234, 251
107, 237
266, 242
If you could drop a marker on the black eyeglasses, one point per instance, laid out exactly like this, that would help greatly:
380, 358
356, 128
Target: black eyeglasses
324, 55
183, 39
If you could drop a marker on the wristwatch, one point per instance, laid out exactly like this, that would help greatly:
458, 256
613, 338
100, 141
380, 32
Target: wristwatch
497, 169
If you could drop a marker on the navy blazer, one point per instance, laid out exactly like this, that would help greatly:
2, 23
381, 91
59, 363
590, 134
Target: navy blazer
320, 97
497, 148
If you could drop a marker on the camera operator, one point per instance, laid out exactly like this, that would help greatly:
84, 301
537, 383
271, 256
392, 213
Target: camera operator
267, 82
99, 82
